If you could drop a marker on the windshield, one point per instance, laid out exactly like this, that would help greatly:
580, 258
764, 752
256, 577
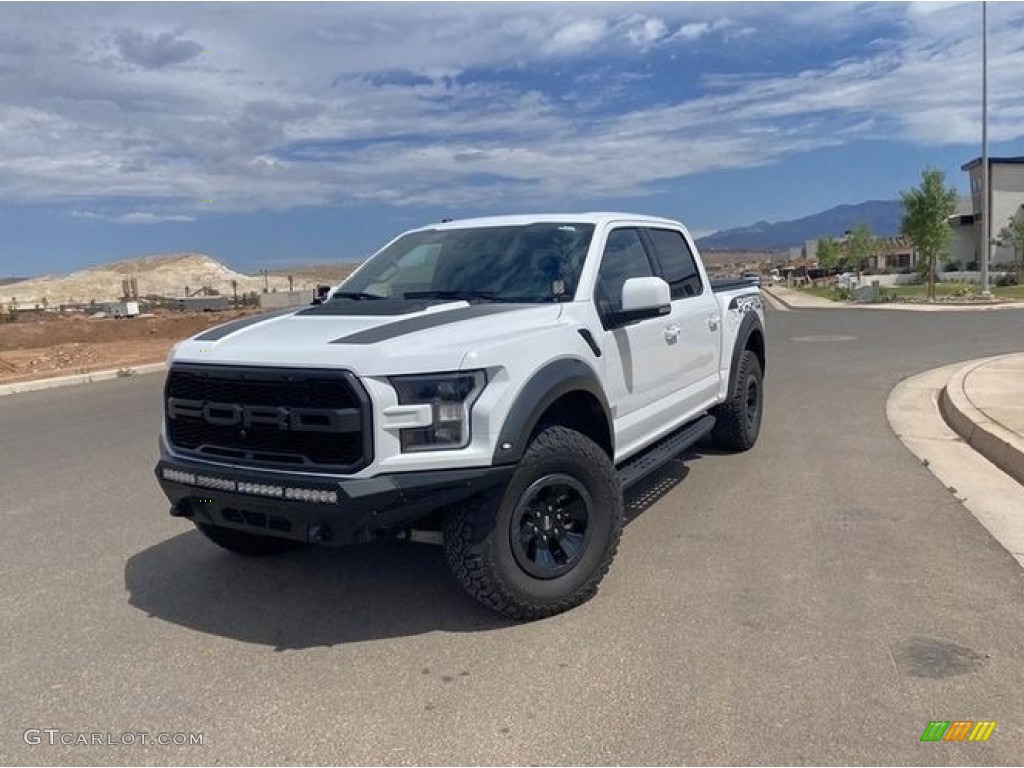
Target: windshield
532, 263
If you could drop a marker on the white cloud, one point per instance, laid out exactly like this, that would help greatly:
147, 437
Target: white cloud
578, 35
642, 32
148, 217
320, 104
698, 29
135, 217
692, 31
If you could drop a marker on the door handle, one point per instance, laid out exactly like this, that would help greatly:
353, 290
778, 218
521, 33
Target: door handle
713, 320
672, 332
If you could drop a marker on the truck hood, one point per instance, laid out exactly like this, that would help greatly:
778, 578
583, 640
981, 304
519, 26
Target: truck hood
370, 338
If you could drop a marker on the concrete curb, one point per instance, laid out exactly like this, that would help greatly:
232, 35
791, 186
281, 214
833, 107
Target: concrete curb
799, 301
775, 297
78, 378
992, 440
995, 498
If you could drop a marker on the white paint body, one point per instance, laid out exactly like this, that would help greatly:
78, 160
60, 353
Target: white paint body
657, 374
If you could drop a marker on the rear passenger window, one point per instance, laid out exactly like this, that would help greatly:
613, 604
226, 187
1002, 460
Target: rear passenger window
677, 262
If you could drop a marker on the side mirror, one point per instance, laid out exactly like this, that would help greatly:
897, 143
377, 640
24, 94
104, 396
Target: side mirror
322, 291
643, 298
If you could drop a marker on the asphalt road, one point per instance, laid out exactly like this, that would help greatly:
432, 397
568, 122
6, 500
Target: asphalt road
817, 600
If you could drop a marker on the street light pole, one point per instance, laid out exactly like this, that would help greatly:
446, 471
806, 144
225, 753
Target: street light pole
986, 228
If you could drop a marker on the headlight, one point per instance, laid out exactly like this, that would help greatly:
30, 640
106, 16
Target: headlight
451, 397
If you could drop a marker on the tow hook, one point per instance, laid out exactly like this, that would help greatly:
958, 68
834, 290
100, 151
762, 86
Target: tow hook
182, 509
320, 533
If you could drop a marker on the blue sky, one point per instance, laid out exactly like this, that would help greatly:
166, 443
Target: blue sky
272, 134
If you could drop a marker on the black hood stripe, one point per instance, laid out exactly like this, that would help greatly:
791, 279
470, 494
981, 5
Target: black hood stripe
227, 329
423, 322
350, 307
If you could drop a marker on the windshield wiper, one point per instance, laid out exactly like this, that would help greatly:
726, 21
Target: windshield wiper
357, 295
466, 295
481, 296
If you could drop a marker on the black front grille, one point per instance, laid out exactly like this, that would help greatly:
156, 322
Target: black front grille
270, 417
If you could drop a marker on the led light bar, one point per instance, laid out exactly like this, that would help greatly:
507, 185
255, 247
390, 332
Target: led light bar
217, 483
266, 490
311, 495
177, 476
260, 489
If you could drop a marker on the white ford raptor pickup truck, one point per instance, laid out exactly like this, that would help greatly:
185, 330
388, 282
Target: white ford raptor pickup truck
496, 382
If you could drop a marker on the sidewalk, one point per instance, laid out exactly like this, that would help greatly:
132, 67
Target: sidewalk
984, 403
34, 385
798, 300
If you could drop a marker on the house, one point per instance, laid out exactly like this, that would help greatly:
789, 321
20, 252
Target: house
962, 248
1006, 200
892, 254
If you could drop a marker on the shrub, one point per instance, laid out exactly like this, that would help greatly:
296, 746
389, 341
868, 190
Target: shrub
964, 289
1006, 280
952, 266
973, 266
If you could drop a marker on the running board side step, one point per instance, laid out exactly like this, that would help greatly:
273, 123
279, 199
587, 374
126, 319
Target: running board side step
670, 446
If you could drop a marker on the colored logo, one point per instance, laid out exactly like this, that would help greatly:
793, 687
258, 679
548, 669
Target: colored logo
958, 730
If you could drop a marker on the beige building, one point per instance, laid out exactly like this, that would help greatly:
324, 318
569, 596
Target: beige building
1006, 200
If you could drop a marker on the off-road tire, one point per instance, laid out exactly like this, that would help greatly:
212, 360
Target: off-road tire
247, 544
478, 534
736, 428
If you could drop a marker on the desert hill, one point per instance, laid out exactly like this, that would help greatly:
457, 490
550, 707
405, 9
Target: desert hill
166, 274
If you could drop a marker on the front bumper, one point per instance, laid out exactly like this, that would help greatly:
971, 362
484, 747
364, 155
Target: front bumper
211, 495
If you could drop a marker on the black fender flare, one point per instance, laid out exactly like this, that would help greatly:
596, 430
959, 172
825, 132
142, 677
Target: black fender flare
750, 324
551, 382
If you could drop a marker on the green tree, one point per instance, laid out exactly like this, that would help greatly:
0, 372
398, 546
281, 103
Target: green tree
926, 212
827, 253
1013, 235
860, 246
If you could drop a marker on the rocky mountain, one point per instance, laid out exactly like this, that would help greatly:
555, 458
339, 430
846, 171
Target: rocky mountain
883, 216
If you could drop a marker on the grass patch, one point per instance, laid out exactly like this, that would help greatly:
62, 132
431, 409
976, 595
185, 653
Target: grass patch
961, 291
943, 290
823, 293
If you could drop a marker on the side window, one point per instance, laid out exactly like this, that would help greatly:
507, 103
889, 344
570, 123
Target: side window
677, 262
624, 257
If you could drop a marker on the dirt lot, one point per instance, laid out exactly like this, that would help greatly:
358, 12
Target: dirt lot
59, 346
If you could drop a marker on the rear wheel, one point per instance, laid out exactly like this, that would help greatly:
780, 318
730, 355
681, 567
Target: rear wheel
243, 543
738, 419
542, 545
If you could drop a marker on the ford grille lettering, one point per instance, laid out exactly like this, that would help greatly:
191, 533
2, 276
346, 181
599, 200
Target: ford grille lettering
247, 416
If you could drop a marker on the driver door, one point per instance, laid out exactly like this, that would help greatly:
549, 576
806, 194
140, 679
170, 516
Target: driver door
638, 371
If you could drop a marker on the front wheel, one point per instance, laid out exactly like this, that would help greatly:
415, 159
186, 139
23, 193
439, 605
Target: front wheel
247, 544
738, 419
543, 545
